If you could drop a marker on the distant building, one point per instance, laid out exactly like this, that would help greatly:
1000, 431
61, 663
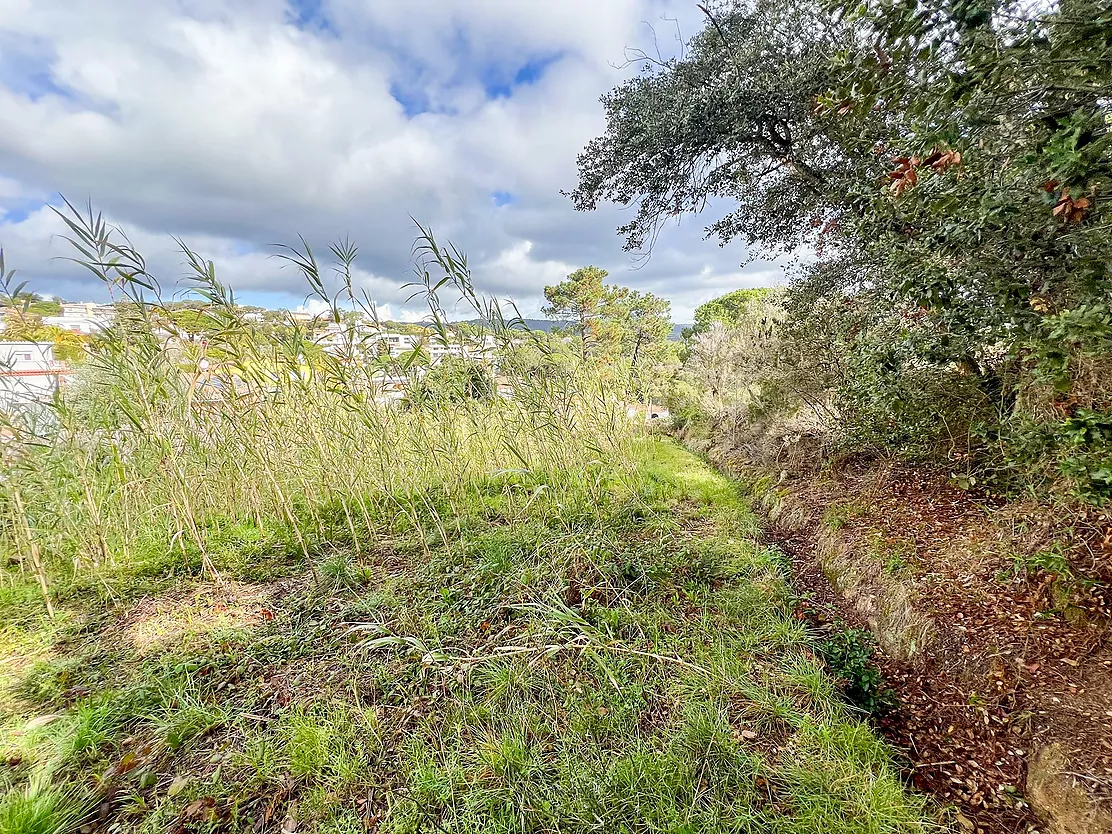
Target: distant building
83, 317
28, 373
399, 343
649, 413
89, 309
438, 351
478, 349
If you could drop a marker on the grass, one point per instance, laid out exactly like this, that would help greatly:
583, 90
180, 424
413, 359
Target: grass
40, 808
842, 513
633, 667
896, 555
293, 606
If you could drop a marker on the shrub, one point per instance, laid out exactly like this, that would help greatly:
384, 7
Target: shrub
850, 655
453, 380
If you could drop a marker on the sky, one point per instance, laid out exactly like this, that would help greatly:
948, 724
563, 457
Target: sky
241, 124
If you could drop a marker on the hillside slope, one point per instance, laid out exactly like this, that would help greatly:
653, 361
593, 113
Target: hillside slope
621, 656
993, 623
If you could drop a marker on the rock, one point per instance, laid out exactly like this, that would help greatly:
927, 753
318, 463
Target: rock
1062, 799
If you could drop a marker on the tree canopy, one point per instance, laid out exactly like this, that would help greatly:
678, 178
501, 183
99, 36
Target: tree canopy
728, 309
733, 118
616, 324
948, 161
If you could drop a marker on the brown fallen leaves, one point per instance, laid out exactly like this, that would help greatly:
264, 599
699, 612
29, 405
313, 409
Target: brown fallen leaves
1010, 671
1067, 208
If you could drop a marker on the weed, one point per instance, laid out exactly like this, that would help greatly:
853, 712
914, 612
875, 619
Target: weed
895, 555
340, 571
849, 653
41, 808
1051, 561
183, 716
1067, 586
334, 747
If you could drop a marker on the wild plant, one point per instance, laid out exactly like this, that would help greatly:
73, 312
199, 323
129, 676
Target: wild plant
166, 438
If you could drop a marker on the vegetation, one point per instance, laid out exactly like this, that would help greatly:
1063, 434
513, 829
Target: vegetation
617, 326
730, 310
728, 355
453, 380
261, 597
578, 656
21, 301
23, 314
849, 653
244, 587
949, 164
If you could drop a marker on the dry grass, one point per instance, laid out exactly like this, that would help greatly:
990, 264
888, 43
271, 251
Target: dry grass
183, 621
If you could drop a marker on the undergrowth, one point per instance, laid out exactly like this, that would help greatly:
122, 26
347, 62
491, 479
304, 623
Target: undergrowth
260, 597
625, 663
850, 652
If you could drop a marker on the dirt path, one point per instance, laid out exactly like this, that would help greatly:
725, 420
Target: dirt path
950, 754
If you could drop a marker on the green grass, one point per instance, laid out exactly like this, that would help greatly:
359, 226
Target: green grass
616, 653
841, 513
40, 808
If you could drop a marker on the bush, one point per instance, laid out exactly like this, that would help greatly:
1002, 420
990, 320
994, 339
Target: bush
1031, 453
453, 380
952, 182
849, 654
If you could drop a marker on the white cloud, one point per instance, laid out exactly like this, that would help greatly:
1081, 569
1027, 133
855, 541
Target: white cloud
221, 121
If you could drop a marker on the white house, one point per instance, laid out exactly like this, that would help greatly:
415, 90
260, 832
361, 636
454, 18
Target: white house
83, 317
399, 343
28, 373
89, 309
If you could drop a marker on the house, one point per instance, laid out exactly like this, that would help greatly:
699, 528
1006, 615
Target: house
89, 309
399, 343
438, 351
83, 317
28, 373
340, 339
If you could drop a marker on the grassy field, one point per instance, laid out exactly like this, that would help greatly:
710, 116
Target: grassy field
287, 606
607, 649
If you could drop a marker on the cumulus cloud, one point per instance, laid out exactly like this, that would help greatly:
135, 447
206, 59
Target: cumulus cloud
238, 124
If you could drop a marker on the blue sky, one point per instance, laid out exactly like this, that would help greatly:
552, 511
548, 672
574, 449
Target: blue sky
238, 124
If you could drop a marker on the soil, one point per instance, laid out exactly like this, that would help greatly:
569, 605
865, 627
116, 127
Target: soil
1021, 658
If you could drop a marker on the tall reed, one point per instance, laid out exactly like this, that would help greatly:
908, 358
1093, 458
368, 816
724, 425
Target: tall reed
148, 452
